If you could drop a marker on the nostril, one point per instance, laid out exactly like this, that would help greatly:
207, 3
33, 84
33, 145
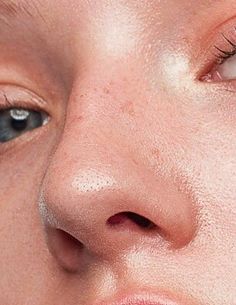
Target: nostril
125, 217
141, 221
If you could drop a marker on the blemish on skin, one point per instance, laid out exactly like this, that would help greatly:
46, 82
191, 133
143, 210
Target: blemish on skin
128, 108
156, 153
77, 119
106, 90
134, 161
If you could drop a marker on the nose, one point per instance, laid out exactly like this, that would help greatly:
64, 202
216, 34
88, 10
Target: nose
98, 199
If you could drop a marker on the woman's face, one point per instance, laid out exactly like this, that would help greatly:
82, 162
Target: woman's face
117, 152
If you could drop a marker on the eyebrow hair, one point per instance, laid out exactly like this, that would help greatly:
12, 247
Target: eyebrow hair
10, 9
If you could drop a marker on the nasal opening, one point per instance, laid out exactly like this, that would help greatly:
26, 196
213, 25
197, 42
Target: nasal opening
127, 218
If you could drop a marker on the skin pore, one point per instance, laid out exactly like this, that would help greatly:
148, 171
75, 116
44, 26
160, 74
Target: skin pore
129, 185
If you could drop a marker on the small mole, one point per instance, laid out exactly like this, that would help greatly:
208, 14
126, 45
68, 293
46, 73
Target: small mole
128, 108
106, 90
156, 152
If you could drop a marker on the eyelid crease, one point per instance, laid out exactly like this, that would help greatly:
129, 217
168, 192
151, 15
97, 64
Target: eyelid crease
26, 100
22, 105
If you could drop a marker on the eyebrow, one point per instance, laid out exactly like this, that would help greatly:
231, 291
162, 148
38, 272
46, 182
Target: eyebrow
10, 10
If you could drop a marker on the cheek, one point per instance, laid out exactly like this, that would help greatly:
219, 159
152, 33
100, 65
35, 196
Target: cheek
22, 242
218, 194
21, 169
206, 163
195, 143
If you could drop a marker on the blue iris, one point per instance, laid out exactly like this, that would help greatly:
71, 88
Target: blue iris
14, 122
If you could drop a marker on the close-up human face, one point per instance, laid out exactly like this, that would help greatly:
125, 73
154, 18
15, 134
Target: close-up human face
117, 152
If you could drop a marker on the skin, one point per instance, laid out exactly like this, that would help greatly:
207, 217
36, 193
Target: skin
132, 129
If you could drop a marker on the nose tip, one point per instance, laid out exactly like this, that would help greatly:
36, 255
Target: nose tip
104, 211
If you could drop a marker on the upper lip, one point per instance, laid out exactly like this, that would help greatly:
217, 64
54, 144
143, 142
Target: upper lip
147, 298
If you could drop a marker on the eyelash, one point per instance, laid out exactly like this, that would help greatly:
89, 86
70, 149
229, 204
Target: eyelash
223, 55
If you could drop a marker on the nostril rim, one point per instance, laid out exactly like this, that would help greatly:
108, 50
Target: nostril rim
68, 242
141, 221
66, 249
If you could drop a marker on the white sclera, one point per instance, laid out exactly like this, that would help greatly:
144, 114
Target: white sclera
19, 114
228, 69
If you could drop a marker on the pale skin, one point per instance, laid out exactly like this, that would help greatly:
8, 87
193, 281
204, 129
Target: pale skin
141, 118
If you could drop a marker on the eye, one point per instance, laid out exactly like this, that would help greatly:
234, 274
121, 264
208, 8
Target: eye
225, 68
16, 121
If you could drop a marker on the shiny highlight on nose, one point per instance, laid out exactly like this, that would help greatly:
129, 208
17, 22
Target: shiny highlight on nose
91, 180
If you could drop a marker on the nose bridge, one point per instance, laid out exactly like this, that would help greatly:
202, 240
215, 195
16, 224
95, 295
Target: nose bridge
99, 124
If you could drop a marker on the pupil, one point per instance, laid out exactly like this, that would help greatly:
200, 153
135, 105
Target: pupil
19, 125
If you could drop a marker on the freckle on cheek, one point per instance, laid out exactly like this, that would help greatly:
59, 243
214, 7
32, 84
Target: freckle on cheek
106, 90
128, 108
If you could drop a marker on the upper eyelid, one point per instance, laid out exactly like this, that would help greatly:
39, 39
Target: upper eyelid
220, 46
233, 45
225, 54
15, 96
229, 41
